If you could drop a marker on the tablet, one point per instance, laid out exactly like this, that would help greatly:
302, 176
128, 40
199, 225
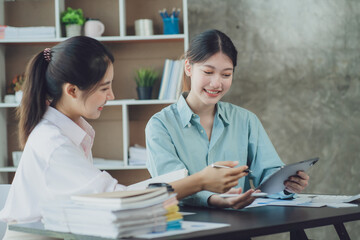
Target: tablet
275, 183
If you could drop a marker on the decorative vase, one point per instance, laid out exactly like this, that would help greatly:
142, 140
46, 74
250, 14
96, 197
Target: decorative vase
144, 92
18, 96
73, 30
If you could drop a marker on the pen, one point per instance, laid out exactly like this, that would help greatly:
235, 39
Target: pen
161, 14
222, 166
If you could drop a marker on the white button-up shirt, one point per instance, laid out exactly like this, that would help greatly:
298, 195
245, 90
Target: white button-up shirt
56, 163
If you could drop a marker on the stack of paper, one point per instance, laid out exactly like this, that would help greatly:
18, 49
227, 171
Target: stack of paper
7, 32
137, 155
173, 216
111, 215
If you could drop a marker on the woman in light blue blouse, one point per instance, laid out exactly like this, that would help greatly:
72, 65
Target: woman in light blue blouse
200, 130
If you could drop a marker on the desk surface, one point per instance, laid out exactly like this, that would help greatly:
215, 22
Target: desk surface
244, 223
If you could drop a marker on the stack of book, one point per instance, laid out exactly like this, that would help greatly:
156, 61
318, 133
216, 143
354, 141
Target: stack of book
114, 214
8, 32
171, 82
137, 155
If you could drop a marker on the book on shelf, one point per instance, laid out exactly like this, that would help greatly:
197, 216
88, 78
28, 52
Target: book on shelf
165, 78
170, 87
8, 32
137, 155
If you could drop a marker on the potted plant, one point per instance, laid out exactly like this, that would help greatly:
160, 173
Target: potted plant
73, 20
145, 79
16, 87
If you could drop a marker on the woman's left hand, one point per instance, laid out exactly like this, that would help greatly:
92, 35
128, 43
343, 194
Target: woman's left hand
297, 183
239, 202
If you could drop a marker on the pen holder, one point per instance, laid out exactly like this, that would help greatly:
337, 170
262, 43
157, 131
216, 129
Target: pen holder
171, 25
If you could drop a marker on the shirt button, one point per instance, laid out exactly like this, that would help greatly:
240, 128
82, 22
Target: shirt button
189, 125
194, 115
202, 131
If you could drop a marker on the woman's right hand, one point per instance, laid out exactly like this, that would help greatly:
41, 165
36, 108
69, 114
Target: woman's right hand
221, 180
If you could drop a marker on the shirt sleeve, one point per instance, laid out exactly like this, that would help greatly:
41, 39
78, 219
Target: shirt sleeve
69, 172
162, 155
163, 158
262, 156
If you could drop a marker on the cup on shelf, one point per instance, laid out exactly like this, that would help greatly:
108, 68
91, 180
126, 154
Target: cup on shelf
16, 156
94, 28
171, 25
9, 98
144, 27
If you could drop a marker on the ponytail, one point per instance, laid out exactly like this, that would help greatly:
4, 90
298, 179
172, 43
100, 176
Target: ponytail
33, 103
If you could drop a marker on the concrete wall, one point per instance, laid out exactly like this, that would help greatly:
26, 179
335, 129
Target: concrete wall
299, 70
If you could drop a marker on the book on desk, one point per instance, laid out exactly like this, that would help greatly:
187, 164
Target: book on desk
114, 214
118, 214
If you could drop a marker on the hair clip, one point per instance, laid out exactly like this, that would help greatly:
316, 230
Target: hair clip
47, 54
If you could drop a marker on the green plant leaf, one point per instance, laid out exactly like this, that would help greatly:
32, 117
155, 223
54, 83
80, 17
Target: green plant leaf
72, 16
146, 77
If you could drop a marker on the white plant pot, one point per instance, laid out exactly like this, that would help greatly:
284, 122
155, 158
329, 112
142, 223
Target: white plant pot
18, 96
73, 30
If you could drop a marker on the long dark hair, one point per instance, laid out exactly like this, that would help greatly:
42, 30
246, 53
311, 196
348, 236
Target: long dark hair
81, 61
205, 45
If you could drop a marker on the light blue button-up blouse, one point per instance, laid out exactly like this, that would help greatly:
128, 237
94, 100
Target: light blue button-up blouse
175, 139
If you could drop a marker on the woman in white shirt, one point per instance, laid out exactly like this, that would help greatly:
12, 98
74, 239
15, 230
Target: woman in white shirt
70, 81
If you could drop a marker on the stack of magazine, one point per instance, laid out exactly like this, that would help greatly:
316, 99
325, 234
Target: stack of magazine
114, 214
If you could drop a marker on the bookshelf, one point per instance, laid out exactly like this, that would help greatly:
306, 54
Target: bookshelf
123, 120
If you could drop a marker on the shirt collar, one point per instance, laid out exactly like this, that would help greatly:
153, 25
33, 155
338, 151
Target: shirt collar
184, 110
69, 128
186, 113
221, 113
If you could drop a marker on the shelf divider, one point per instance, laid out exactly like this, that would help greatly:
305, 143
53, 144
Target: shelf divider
122, 18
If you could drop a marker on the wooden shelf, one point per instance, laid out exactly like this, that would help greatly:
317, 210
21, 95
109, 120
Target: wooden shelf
100, 166
176, 37
111, 103
8, 169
